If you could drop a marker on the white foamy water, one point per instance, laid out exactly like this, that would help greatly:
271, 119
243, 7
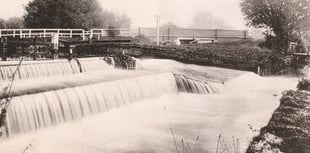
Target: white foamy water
38, 69
190, 70
35, 111
145, 126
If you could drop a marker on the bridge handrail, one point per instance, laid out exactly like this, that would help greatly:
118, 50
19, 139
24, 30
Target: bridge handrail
62, 32
43, 32
104, 32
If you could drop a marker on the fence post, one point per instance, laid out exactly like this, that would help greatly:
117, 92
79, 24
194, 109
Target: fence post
29, 33
0, 33
58, 31
55, 44
91, 34
44, 33
71, 33
14, 33
83, 34
21, 34
4, 42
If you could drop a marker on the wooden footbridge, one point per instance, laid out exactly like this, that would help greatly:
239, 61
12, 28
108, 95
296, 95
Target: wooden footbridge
69, 33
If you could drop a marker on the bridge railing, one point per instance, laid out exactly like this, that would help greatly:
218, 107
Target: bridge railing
116, 32
125, 32
28, 33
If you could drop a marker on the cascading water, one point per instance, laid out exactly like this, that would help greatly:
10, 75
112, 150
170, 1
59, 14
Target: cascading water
40, 69
30, 112
95, 64
130, 128
35, 111
37, 69
196, 86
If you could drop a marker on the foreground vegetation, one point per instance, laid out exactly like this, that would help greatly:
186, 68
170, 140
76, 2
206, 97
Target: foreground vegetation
289, 128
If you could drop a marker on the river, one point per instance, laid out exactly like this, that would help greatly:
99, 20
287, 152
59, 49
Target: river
153, 116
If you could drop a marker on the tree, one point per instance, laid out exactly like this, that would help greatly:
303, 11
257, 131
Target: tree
2, 24
14, 23
112, 20
285, 18
84, 14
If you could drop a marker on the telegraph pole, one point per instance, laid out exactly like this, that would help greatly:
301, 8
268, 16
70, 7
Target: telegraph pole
157, 20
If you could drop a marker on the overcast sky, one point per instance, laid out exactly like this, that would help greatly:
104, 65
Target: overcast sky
142, 12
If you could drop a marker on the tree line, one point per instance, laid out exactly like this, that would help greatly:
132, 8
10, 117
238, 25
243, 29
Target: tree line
286, 20
12, 23
80, 14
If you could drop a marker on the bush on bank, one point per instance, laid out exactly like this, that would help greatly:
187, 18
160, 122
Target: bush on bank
239, 57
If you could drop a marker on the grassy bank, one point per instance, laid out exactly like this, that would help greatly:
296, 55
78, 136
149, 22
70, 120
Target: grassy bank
227, 55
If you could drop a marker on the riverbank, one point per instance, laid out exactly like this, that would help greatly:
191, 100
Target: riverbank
241, 55
289, 128
225, 55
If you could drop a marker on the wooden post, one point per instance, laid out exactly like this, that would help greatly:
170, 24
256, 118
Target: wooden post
21, 34
58, 31
91, 34
14, 32
83, 34
71, 47
29, 34
55, 42
4, 42
44, 33
35, 48
71, 33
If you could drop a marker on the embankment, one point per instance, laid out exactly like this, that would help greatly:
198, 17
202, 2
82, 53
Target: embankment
289, 128
221, 55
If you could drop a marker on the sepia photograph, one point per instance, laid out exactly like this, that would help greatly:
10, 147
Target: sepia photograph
154, 76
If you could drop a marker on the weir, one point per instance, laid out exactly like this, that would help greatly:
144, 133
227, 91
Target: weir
34, 111
36, 69
31, 112
189, 85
